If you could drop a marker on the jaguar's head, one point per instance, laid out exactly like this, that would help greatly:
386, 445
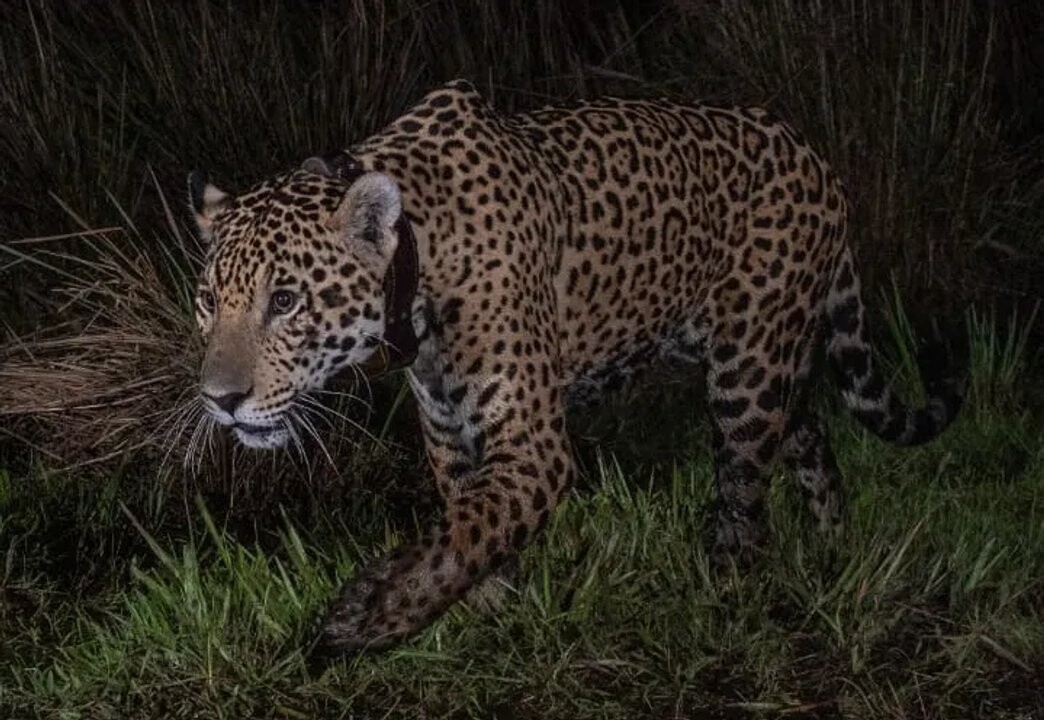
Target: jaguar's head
291, 292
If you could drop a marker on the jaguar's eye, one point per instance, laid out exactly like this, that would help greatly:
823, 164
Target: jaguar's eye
282, 302
206, 299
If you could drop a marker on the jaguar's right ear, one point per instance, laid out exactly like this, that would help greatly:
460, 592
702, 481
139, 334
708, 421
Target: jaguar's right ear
206, 201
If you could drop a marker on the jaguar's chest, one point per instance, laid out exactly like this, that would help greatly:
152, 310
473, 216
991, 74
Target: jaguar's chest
448, 401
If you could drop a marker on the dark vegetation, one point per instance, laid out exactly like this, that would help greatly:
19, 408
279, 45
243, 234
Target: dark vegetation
133, 586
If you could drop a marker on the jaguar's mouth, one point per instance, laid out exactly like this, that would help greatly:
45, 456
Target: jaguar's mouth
261, 436
255, 429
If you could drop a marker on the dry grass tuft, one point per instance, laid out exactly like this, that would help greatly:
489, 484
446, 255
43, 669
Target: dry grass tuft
115, 370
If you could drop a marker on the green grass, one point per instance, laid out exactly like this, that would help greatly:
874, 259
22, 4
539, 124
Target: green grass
928, 606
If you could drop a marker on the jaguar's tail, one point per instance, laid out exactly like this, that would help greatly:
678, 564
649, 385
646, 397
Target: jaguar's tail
867, 395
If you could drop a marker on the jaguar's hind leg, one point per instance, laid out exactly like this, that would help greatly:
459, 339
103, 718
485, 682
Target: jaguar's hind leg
747, 407
807, 452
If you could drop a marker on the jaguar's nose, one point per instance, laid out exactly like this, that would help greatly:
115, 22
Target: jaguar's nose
229, 401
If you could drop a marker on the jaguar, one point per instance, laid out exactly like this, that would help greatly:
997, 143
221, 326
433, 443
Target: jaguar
516, 265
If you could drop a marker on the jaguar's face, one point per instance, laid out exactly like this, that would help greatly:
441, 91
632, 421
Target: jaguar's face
291, 293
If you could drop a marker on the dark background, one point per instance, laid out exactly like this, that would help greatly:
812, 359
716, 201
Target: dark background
932, 112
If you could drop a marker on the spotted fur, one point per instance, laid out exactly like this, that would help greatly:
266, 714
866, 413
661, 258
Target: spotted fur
560, 252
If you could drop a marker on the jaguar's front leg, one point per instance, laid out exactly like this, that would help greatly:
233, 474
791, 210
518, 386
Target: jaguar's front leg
495, 502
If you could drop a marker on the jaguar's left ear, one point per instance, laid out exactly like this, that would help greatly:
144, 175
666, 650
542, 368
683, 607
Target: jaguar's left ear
368, 213
206, 201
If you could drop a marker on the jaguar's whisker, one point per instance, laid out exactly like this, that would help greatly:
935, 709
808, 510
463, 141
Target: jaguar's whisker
302, 418
288, 423
182, 417
318, 407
